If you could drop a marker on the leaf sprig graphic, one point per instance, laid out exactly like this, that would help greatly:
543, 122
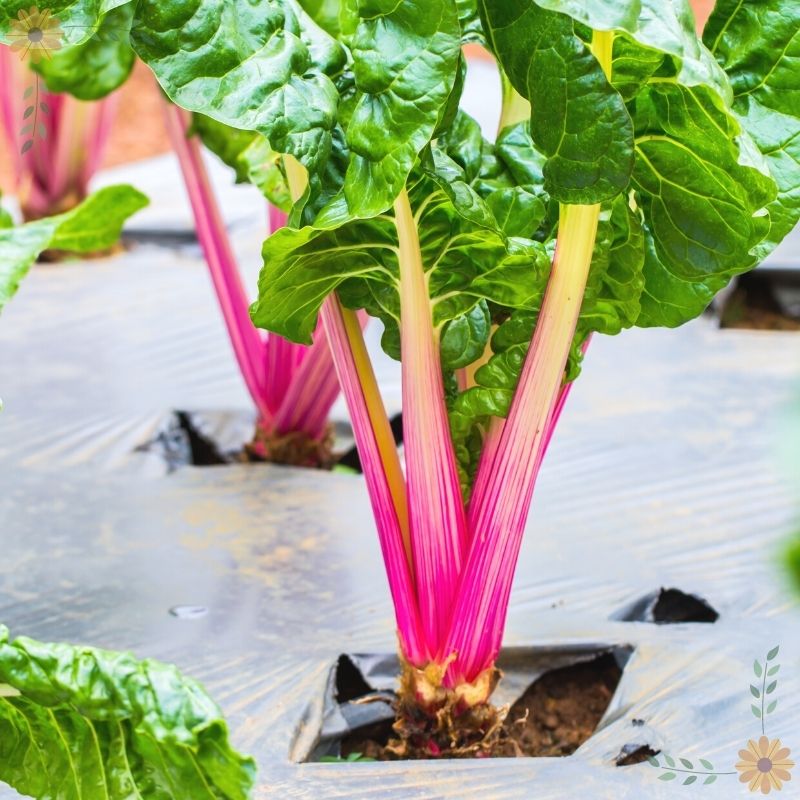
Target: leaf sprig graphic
687, 769
766, 673
33, 126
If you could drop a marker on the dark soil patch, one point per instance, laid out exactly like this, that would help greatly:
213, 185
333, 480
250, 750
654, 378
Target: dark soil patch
669, 607
184, 443
635, 754
554, 717
762, 301
675, 606
561, 710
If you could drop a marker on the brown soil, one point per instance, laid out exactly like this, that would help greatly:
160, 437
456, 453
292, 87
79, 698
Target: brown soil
292, 449
755, 305
761, 320
554, 716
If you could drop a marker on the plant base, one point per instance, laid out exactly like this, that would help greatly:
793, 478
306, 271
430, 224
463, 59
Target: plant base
555, 715
292, 449
433, 721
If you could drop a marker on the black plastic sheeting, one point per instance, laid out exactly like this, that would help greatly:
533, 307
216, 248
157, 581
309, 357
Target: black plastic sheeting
663, 475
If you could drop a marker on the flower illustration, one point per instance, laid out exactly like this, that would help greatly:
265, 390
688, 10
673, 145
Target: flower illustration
765, 765
35, 33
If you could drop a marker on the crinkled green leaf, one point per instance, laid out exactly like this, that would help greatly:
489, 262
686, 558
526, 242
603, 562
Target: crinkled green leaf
325, 13
405, 63
758, 44
102, 63
250, 66
471, 29
464, 338
88, 724
703, 207
665, 25
93, 225
79, 19
494, 170
633, 65
518, 210
611, 301
579, 121
467, 259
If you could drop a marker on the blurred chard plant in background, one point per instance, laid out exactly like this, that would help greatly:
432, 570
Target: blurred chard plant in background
293, 387
55, 141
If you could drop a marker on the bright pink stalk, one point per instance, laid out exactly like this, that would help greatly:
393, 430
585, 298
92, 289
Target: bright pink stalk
436, 508
54, 174
293, 387
381, 468
245, 338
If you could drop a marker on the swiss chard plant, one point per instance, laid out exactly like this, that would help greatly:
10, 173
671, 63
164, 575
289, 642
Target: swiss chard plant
293, 387
636, 170
55, 141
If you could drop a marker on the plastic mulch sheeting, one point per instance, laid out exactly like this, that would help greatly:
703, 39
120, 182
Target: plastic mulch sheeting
664, 474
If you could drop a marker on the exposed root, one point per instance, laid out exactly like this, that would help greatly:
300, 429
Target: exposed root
294, 449
436, 722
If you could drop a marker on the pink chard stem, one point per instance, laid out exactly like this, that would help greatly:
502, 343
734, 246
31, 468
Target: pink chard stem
282, 357
436, 509
504, 486
302, 380
11, 90
382, 469
213, 237
54, 174
505, 481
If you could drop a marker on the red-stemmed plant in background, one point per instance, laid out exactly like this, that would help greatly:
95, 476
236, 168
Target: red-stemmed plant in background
55, 142
293, 387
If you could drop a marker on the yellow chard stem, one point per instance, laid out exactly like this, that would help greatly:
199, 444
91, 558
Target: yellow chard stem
506, 476
515, 107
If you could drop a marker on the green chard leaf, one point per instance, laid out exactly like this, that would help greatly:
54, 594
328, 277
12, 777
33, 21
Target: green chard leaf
467, 257
579, 121
77, 723
758, 44
702, 201
406, 59
94, 68
93, 225
611, 301
264, 67
667, 26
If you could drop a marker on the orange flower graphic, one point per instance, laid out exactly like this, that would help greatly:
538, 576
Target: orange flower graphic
35, 33
765, 765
